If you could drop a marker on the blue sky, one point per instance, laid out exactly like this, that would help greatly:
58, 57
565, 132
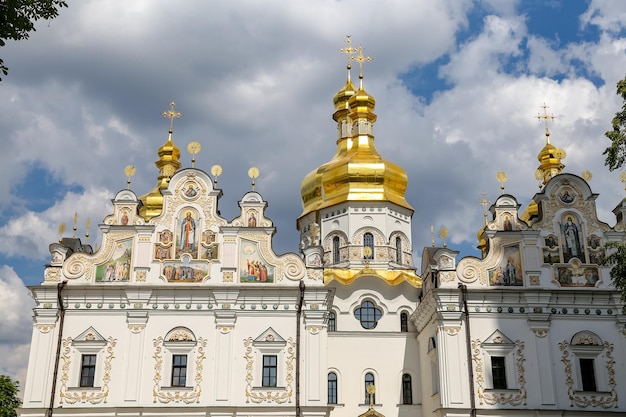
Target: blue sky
458, 84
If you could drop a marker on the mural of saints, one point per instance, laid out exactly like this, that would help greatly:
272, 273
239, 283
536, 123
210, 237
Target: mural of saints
186, 234
509, 272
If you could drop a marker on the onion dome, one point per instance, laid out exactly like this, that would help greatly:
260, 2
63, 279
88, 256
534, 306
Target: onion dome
357, 172
168, 163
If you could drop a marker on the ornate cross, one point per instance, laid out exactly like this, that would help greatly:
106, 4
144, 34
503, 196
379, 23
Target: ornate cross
348, 50
485, 203
171, 114
361, 59
545, 116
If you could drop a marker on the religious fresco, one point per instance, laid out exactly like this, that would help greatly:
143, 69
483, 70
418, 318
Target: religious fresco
595, 250
571, 235
185, 270
186, 237
163, 249
551, 254
209, 252
509, 272
117, 269
577, 275
190, 191
252, 267
252, 218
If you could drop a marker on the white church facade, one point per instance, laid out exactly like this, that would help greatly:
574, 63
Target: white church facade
184, 313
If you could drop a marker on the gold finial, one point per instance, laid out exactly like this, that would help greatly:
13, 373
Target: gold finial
361, 59
587, 176
484, 203
501, 177
194, 148
62, 227
622, 178
253, 173
539, 176
75, 224
87, 232
216, 170
371, 390
129, 171
546, 117
171, 114
443, 234
432, 236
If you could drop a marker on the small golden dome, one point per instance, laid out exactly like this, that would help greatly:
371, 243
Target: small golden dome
168, 163
341, 98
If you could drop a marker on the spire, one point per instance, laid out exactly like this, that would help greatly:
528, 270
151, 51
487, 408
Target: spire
549, 157
168, 163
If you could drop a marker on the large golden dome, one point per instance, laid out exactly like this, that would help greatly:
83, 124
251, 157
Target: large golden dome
357, 172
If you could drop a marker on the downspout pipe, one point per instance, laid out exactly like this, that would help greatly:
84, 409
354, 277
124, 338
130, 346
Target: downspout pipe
468, 348
302, 287
61, 307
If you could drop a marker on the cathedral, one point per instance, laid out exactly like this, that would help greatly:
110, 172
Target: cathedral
181, 312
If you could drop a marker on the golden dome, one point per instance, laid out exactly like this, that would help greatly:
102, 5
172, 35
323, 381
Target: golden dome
357, 172
168, 163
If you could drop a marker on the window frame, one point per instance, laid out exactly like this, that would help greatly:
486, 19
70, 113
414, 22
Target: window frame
90, 368
332, 322
332, 388
336, 250
398, 250
407, 389
372, 315
176, 369
498, 372
368, 241
269, 373
369, 379
404, 322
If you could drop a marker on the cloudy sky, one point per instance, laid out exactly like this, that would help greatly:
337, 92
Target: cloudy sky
458, 85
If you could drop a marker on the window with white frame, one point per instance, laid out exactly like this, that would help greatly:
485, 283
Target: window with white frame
336, 257
370, 394
587, 349
404, 322
332, 321
368, 242
398, 250
90, 345
332, 388
270, 355
368, 314
407, 389
179, 345
499, 362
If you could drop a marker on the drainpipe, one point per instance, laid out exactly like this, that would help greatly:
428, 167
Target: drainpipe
468, 348
61, 308
298, 318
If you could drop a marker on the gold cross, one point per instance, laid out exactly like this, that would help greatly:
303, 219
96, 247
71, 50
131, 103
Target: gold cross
485, 203
348, 50
545, 116
171, 114
360, 59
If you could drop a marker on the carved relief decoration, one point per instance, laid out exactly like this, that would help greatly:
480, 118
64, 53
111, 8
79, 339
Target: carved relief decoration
167, 396
258, 396
511, 397
581, 398
92, 397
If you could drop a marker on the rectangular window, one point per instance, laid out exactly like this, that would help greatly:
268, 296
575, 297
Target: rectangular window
498, 372
407, 389
179, 370
588, 374
270, 370
332, 388
87, 370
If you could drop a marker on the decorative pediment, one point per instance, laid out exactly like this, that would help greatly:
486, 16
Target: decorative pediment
252, 212
90, 336
497, 338
269, 337
180, 334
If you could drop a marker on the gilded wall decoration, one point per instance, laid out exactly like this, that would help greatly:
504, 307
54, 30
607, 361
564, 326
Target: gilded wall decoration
93, 396
255, 394
52, 275
45, 328
491, 397
228, 276
581, 398
173, 395
140, 276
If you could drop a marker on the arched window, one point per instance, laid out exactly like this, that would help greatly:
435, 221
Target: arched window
332, 388
336, 250
407, 389
368, 242
398, 250
369, 380
368, 315
332, 321
404, 322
